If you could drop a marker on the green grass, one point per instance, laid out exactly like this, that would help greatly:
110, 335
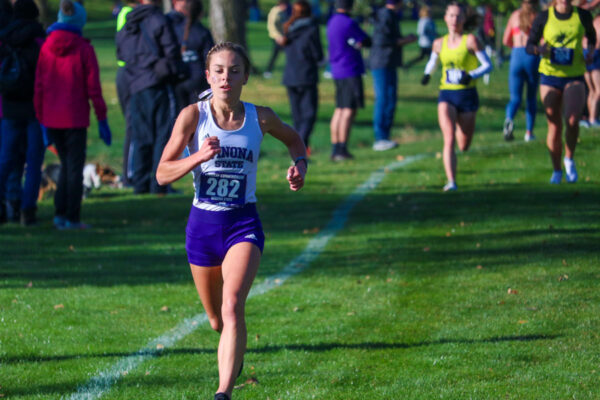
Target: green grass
410, 300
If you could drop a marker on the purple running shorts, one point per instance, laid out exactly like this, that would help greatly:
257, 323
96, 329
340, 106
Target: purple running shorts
210, 234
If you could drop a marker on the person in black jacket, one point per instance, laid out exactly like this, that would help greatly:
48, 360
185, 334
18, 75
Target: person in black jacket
385, 58
10, 206
303, 52
24, 35
149, 48
195, 41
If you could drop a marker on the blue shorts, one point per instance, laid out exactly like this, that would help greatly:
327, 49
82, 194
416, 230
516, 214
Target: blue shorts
464, 100
210, 234
595, 60
559, 82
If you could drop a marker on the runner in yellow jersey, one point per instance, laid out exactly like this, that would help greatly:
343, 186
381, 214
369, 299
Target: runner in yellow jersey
562, 67
463, 60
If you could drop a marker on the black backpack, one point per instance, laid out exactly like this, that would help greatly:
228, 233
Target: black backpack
11, 69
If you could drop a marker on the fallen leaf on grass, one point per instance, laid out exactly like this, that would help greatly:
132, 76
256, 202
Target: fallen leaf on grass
164, 308
438, 155
296, 309
160, 347
400, 157
512, 291
389, 280
250, 381
30, 284
312, 230
71, 248
563, 277
448, 234
56, 307
426, 249
564, 262
523, 321
479, 267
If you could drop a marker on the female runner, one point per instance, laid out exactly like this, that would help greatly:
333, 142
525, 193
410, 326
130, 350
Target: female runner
458, 100
592, 78
224, 237
523, 69
562, 67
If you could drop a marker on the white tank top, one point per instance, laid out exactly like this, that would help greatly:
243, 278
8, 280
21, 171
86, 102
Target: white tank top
228, 180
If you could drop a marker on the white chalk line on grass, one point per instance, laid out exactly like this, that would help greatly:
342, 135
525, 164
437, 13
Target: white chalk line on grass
100, 384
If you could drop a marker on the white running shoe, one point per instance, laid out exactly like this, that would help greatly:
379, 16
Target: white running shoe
570, 170
529, 137
595, 124
450, 187
508, 130
384, 144
583, 123
556, 177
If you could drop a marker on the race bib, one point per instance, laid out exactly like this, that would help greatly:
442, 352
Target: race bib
453, 76
561, 56
223, 189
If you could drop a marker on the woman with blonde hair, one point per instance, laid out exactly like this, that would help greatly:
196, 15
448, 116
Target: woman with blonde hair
461, 55
523, 69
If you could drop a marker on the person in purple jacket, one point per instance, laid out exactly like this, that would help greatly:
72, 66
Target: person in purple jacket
346, 39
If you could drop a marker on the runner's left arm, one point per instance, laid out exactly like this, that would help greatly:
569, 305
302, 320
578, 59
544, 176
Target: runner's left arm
271, 123
485, 66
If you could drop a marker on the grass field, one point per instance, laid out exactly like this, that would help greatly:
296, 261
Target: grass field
491, 292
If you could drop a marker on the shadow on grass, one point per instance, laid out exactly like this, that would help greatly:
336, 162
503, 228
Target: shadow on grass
321, 347
141, 240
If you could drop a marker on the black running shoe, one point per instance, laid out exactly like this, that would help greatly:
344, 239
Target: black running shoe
221, 396
508, 130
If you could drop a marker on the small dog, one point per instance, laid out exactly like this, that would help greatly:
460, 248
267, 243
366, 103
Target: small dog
94, 176
50, 175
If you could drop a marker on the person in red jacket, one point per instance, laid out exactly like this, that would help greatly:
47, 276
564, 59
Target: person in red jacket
67, 78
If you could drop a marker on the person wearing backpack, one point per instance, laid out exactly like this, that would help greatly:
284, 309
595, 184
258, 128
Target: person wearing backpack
22, 37
152, 56
67, 78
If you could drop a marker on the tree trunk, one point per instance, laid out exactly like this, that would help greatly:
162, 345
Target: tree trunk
44, 14
228, 21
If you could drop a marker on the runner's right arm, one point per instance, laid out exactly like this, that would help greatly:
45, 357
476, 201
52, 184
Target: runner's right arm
171, 167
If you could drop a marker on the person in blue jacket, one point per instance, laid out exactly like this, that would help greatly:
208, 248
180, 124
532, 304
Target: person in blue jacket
195, 41
304, 52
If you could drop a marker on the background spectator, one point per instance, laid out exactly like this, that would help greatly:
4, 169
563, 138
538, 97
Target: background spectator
427, 33
19, 125
346, 39
124, 95
152, 58
195, 41
385, 58
62, 105
277, 16
303, 52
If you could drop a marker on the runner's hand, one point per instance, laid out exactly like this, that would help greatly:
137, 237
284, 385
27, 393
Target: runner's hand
210, 148
295, 176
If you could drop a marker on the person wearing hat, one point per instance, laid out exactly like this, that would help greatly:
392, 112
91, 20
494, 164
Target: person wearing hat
385, 58
346, 39
20, 129
62, 105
